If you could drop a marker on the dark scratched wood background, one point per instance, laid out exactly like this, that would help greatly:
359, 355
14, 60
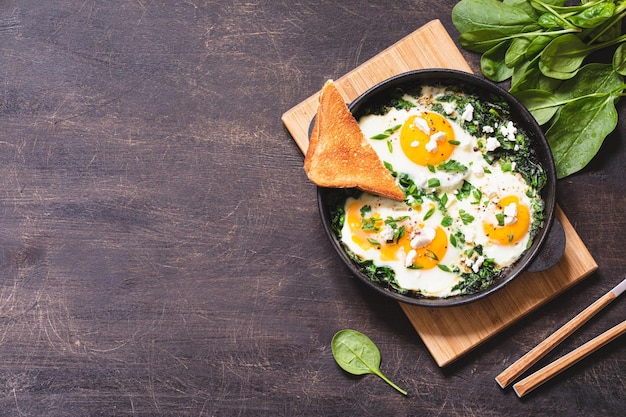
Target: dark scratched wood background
161, 251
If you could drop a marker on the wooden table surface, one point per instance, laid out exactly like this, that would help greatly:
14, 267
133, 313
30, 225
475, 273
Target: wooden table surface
161, 251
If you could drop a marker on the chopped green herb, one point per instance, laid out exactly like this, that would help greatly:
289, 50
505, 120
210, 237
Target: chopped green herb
466, 217
433, 182
451, 166
386, 133
447, 221
370, 224
380, 136
373, 241
500, 218
429, 213
432, 255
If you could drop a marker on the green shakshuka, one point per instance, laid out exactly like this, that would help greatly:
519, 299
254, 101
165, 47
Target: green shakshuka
472, 188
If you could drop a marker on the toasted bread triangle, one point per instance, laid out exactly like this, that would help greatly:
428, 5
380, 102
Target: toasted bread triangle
339, 156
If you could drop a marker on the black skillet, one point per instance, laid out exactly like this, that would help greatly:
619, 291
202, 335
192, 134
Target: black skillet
549, 242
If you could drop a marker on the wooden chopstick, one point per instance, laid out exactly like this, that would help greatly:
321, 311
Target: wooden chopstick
531, 382
516, 369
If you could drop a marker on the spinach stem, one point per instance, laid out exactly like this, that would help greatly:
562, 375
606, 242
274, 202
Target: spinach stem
617, 17
529, 34
558, 15
387, 380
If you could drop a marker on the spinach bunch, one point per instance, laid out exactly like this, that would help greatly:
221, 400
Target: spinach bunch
547, 50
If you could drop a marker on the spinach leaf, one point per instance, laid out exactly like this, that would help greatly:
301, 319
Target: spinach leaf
355, 353
537, 44
471, 15
619, 59
563, 56
579, 130
483, 40
593, 78
528, 76
594, 15
542, 104
517, 51
493, 65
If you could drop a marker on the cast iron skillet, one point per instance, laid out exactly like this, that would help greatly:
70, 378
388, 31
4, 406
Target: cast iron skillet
548, 245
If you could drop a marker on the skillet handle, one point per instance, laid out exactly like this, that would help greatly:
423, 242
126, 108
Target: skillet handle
552, 250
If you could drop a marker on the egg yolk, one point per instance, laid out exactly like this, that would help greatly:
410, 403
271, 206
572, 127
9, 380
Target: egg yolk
511, 233
365, 233
425, 139
429, 256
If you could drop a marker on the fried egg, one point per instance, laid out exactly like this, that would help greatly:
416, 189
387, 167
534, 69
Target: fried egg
471, 211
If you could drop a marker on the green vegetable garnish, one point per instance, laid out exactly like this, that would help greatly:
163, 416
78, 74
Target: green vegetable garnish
355, 353
433, 182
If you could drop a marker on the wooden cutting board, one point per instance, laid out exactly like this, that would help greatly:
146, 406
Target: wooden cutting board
450, 332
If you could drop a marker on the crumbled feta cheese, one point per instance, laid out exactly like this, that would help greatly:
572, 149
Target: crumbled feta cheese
468, 113
422, 125
488, 129
422, 237
449, 107
509, 131
410, 258
492, 143
415, 144
431, 146
439, 136
387, 233
478, 263
510, 214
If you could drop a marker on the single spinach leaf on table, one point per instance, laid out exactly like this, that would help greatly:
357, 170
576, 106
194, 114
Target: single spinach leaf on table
355, 353
579, 130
